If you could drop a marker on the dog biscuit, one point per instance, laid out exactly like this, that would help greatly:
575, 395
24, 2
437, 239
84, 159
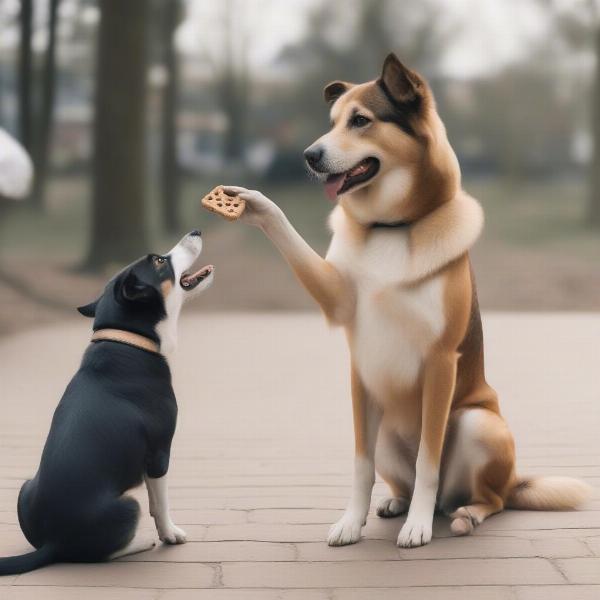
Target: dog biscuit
230, 207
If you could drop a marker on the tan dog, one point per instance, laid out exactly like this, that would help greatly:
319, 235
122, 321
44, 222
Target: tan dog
397, 277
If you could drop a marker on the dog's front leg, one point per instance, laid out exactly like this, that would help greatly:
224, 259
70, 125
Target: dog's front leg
367, 417
158, 498
438, 390
320, 278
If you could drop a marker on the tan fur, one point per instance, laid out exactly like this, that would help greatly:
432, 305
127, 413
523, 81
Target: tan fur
166, 287
359, 399
127, 337
324, 283
443, 235
440, 368
548, 493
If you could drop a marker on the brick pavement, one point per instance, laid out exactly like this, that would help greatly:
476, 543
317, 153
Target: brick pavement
262, 466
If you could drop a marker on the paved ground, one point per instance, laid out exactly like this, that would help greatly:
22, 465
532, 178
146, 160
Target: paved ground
262, 462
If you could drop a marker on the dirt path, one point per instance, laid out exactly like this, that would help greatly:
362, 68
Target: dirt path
252, 276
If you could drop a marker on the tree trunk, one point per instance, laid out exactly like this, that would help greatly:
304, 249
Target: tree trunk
118, 203
46, 109
231, 90
594, 206
25, 73
170, 167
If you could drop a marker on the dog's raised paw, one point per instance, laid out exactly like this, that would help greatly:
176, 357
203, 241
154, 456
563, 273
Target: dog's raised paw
414, 534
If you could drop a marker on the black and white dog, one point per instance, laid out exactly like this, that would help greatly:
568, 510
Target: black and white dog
114, 424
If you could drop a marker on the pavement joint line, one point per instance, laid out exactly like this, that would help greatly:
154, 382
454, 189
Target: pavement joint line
296, 552
334, 588
512, 590
366, 560
558, 568
218, 575
585, 542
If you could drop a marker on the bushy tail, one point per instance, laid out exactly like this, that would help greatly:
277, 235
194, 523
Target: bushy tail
14, 565
548, 493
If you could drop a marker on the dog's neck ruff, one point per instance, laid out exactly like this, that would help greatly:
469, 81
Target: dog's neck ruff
126, 337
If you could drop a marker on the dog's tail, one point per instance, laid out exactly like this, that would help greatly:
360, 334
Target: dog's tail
14, 565
548, 493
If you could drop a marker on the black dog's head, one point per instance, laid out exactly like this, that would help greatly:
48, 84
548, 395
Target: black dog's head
146, 296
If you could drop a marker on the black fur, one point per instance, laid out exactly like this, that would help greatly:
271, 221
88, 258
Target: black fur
402, 89
114, 423
399, 113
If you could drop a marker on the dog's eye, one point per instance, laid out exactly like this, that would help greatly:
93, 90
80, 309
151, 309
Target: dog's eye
159, 260
359, 121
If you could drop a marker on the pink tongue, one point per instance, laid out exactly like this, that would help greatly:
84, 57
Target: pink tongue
333, 186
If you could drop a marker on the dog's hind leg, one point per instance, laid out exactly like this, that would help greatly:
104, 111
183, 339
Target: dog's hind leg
483, 453
490, 487
100, 531
26, 513
141, 542
466, 518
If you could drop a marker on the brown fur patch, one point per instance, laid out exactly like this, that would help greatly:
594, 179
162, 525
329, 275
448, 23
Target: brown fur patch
166, 287
359, 413
472, 388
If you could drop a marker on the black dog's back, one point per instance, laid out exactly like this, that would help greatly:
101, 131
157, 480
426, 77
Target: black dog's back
113, 424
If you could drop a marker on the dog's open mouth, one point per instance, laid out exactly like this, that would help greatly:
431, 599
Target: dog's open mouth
189, 281
339, 183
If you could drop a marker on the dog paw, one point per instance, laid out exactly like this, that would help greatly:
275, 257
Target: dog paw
463, 522
345, 531
391, 507
171, 534
414, 534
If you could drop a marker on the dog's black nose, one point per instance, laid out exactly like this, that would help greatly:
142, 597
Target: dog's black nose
313, 155
196, 233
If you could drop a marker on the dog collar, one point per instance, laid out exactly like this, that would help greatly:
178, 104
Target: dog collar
392, 225
126, 337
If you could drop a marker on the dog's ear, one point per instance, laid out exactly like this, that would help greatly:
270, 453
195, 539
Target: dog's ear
400, 83
89, 310
334, 90
135, 289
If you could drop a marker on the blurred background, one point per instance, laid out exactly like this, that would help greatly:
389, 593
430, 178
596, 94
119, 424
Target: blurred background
132, 111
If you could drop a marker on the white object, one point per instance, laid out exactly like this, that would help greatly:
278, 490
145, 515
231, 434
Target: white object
16, 168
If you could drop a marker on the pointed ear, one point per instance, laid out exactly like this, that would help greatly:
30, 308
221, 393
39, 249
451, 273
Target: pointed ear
89, 310
334, 90
134, 289
400, 83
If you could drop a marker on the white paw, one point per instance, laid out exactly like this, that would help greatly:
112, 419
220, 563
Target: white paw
413, 534
171, 534
391, 507
345, 531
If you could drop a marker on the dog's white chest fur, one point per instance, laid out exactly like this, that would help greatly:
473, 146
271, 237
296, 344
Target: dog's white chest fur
394, 325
